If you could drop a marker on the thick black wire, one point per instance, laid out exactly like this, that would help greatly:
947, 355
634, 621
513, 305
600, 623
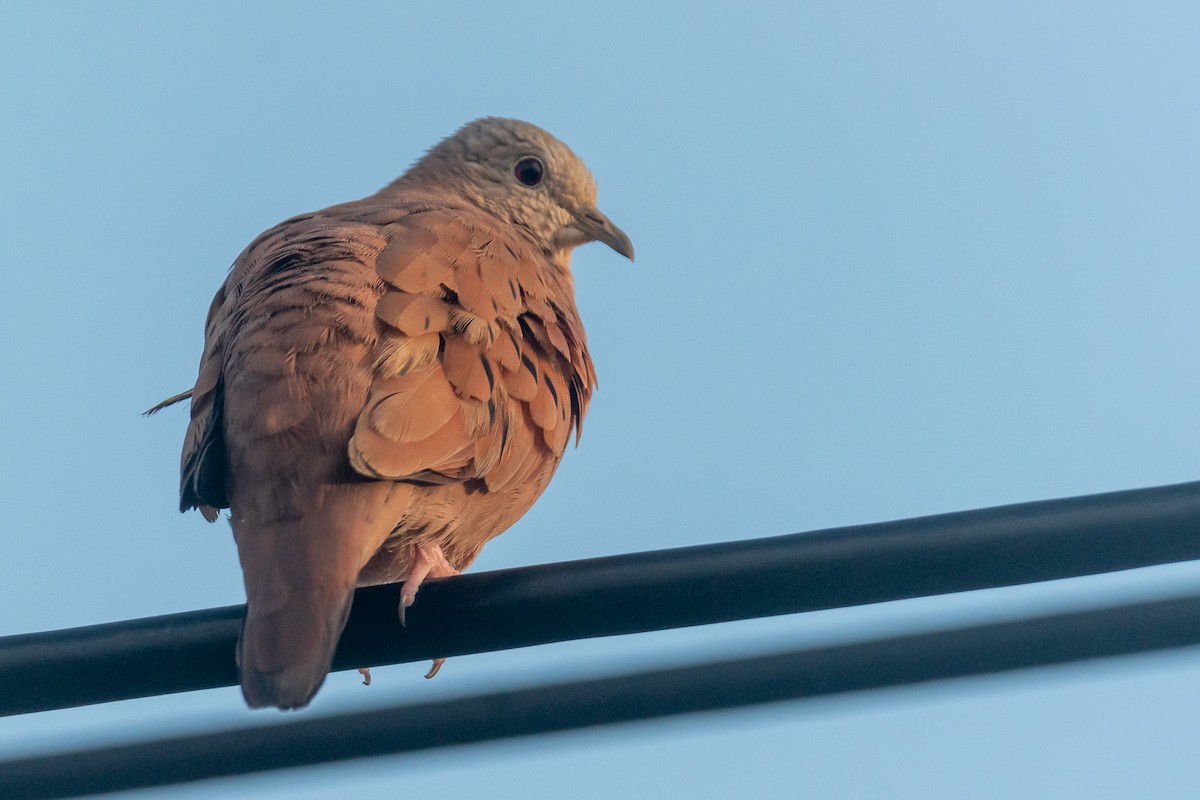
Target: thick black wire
727, 684
631, 593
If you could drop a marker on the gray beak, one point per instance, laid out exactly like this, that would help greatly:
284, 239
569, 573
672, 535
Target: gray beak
600, 228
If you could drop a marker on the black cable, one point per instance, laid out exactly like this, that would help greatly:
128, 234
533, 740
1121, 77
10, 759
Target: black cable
632, 593
788, 676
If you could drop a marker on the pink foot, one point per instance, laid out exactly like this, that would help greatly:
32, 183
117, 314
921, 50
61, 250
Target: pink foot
428, 562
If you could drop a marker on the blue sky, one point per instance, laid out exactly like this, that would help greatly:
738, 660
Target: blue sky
893, 259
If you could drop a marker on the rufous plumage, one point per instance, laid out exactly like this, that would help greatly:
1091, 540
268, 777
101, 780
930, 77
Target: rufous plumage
388, 384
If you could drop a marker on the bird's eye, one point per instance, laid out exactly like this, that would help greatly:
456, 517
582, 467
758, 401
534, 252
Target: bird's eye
529, 171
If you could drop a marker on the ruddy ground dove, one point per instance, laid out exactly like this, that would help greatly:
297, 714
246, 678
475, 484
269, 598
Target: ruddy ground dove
389, 383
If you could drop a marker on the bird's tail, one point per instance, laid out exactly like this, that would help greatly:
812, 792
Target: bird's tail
300, 574
286, 649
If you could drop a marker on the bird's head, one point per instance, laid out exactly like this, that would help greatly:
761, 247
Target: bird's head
527, 177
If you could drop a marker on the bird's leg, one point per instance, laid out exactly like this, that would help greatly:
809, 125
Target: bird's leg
428, 562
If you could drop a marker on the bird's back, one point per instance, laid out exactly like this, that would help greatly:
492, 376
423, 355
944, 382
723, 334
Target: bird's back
393, 371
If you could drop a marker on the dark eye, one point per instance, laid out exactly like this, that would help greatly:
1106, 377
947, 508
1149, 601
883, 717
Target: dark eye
529, 171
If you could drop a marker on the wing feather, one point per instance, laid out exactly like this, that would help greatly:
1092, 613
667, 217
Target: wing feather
502, 389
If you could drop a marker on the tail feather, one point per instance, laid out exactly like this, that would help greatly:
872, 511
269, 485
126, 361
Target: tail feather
284, 654
300, 571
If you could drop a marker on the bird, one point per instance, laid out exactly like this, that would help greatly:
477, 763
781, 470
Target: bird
389, 383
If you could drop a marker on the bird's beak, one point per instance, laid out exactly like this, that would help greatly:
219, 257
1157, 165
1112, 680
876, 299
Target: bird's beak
597, 227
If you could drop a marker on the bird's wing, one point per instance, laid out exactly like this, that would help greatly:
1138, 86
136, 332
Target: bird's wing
481, 357
202, 481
